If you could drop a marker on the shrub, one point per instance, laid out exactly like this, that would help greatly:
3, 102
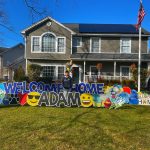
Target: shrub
2, 80
109, 82
130, 83
143, 73
46, 80
19, 74
34, 72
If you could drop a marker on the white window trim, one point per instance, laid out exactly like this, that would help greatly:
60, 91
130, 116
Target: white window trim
121, 71
121, 45
6, 73
55, 65
48, 33
57, 70
71, 44
32, 44
148, 47
91, 45
64, 44
56, 45
80, 42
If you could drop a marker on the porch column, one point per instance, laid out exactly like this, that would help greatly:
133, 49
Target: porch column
26, 67
84, 72
148, 65
114, 69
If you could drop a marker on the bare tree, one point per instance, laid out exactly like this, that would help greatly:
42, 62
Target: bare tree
30, 5
3, 19
3, 16
35, 9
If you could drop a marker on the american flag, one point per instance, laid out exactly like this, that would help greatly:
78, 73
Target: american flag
141, 15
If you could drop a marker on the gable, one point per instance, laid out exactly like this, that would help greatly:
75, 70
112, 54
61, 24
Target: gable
43, 21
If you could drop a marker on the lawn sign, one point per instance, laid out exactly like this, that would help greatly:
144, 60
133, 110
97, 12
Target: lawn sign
81, 95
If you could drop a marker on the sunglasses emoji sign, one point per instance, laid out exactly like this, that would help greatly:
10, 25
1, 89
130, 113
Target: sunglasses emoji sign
33, 98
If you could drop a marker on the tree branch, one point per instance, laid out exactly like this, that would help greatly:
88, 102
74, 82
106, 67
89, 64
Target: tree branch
32, 8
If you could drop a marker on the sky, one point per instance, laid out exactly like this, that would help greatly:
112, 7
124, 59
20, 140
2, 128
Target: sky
19, 16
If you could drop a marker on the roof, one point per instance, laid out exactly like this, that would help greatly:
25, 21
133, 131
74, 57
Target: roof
92, 28
44, 20
19, 45
108, 56
105, 28
4, 49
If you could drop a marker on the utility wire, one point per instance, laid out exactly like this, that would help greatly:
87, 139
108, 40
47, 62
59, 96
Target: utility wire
8, 28
33, 8
34, 11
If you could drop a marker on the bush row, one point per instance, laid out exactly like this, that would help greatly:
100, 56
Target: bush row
34, 73
130, 83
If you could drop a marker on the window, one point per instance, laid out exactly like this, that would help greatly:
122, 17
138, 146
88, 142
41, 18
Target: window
5, 73
61, 70
94, 70
125, 71
95, 45
49, 71
61, 45
77, 42
125, 45
36, 44
54, 72
48, 43
148, 45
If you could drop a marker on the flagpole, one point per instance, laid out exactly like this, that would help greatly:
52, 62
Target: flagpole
139, 61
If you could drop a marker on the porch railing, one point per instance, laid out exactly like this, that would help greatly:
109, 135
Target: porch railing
94, 78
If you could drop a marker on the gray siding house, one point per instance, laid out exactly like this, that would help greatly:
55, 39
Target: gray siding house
115, 46
10, 59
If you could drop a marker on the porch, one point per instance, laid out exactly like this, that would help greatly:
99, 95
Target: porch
110, 70
115, 66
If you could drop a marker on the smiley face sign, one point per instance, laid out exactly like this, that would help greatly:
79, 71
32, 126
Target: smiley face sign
86, 100
33, 98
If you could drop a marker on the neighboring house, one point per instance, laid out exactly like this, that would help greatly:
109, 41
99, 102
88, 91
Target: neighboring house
52, 44
11, 58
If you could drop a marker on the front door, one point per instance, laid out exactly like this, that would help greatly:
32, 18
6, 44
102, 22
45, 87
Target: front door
125, 72
75, 74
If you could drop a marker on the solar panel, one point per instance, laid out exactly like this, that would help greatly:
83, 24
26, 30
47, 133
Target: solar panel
107, 28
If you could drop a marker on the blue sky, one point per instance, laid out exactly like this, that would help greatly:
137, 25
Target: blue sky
71, 11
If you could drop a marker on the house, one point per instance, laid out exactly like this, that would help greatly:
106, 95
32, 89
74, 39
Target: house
10, 59
113, 47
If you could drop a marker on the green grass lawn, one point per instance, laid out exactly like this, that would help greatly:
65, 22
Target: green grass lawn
49, 128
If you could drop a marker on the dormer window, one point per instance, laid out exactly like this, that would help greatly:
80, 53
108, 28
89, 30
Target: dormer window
48, 43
